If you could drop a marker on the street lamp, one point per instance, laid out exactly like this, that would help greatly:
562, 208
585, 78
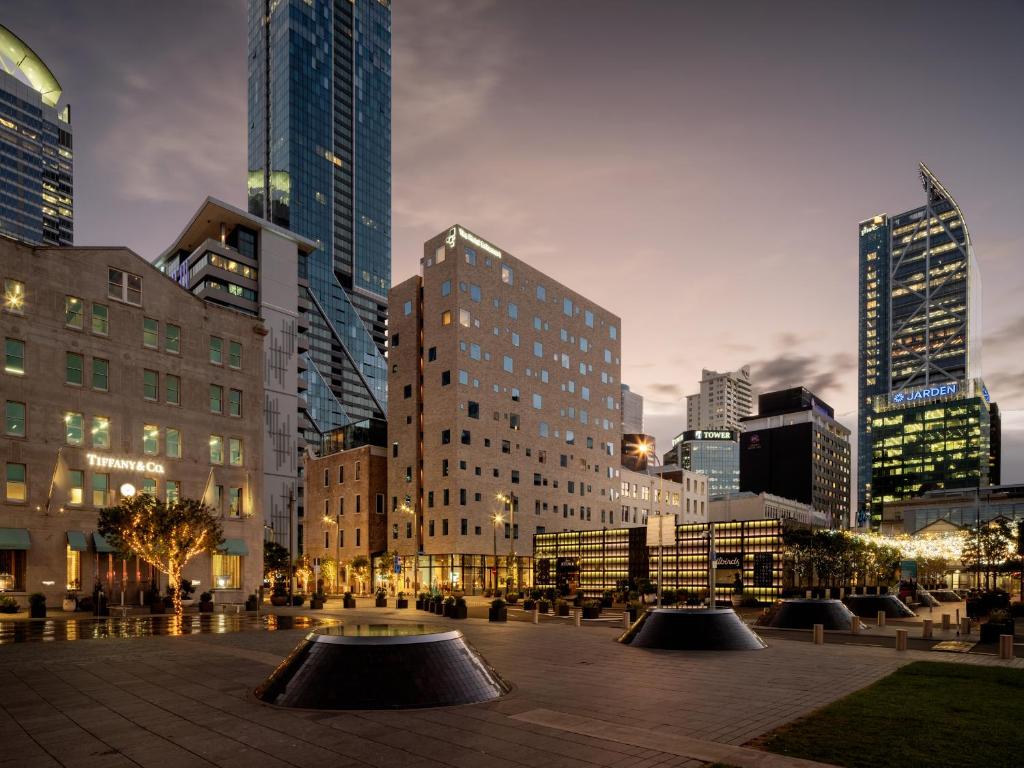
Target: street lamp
645, 449
510, 502
496, 521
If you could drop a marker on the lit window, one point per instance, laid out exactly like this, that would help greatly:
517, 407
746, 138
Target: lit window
100, 489
506, 274
14, 419
14, 296
227, 569
440, 254
100, 323
76, 487
16, 486
216, 399
464, 318
149, 486
150, 332
172, 491
235, 451
216, 350
100, 432
73, 364
172, 339
216, 449
172, 385
470, 256
172, 443
235, 354
74, 428
235, 402
124, 286
446, 317
150, 385
150, 439
74, 312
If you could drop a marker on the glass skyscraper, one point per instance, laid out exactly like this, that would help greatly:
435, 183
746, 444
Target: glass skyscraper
711, 452
35, 148
923, 412
320, 165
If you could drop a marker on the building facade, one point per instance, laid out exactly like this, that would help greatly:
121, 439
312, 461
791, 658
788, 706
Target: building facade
957, 507
765, 506
723, 401
682, 494
320, 165
504, 412
115, 382
36, 160
632, 406
234, 259
795, 448
919, 340
711, 452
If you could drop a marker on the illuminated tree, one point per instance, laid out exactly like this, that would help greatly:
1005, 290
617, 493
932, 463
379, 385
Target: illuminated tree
167, 536
385, 567
360, 565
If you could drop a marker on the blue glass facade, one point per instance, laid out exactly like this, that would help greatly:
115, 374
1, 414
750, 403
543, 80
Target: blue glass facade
320, 165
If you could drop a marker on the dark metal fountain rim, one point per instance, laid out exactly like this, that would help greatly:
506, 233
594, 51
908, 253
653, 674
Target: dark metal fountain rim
334, 634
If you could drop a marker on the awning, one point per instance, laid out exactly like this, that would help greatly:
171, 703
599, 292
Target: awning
76, 540
14, 538
233, 547
101, 544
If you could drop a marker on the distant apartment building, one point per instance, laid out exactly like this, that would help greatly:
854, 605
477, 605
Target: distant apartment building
504, 413
677, 492
36, 160
114, 383
714, 453
632, 406
765, 506
795, 448
724, 400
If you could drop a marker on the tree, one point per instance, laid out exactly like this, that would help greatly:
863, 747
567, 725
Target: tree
988, 546
166, 535
359, 565
385, 566
275, 558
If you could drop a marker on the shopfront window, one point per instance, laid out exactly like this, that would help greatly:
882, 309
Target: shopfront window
74, 569
227, 571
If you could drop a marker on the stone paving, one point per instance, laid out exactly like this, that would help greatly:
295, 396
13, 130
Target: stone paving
579, 700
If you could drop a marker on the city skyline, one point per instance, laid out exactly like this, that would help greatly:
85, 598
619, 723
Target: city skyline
719, 205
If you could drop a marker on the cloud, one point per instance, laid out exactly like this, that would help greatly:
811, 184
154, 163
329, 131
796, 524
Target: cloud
818, 374
672, 391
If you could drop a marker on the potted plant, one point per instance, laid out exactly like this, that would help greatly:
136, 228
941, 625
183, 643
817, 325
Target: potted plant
448, 607
487, 593
1000, 622
402, 601
577, 600
186, 590
498, 611
543, 605
381, 600
348, 601
298, 600
279, 596
512, 598
529, 604
591, 609
8, 604
206, 603
251, 603
37, 605
421, 598
606, 599
70, 602
561, 607
316, 600
438, 604
460, 610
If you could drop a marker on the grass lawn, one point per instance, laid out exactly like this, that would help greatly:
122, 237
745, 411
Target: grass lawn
934, 714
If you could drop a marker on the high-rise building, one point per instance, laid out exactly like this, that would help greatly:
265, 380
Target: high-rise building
795, 448
724, 399
923, 411
503, 413
320, 165
36, 199
632, 412
711, 452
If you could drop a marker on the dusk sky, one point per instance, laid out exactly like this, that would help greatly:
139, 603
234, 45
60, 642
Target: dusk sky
697, 168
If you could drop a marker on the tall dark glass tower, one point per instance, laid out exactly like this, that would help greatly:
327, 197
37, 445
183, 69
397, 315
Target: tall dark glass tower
320, 165
35, 148
923, 411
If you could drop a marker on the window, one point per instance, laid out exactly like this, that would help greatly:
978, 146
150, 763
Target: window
235, 451
446, 436
100, 374
149, 486
407, 308
216, 350
446, 317
466, 438
446, 288
470, 256
216, 399
16, 486
506, 274
216, 449
74, 428
100, 489
359, 466
100, 432
235, 354
76, 487
474, 292
407, 391
465, 319
172, 339
74, 312
150, 439
538, 349
14, 356
73, 368
150, 332
612, 332
474, 410
100, 323
227, 570
538, 401
394, 340
124, 286
150, 385
172, 385
444, 526
341, 474
14, 419
172, 443
474, 351
235, 501
359, 503
513, 311
172, 490
463, 377
234, 402
588, 318
14, 296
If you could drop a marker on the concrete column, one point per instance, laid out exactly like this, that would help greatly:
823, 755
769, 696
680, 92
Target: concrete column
881, 619
926, 629
855, 625
625, 619
819, 634
578, 613
901, 639
536, 615
1006, 646
945, 621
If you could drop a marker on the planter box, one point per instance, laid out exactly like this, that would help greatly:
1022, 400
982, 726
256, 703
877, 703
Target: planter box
529, 605
460, 611
990, 632
250, 604
316, 605
68, 605
206, 607
606, 602
349, 602
438, 608
37, 611
402, 603
298, 600
591, 612
380, 602
563, 609
543, 606
419, 604
447, 609
511, 599
497, 614
279, 600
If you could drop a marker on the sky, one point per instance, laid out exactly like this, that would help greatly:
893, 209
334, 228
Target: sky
698, 169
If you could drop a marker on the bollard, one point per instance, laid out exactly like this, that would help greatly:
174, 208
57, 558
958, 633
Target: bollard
926, 629
579, 615
819, 634
965, 626
945, 621
901, 639
881, 619
625, 619
958, 617
536, 615
842, 592
855, 625
808, 594
1006, 646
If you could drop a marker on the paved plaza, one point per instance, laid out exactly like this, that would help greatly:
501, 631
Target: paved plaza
578, 699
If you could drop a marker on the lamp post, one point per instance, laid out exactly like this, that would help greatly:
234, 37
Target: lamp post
645, 449
410, 510
510, 501
495, 522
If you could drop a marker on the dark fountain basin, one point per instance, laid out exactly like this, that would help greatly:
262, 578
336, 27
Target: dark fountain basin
870, 605
804, 614
381, 666
692, 629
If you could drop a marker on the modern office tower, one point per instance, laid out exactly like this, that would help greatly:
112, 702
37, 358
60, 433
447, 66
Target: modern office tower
795, 448
919, 356
724, 399
239, 261
36, 199
711, 452
503, 413
116, 382
632, 412
320, 165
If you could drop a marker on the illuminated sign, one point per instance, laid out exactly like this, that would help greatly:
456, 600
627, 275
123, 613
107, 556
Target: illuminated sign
924, 393
465, 234
131, 465
713, 434
727, 562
